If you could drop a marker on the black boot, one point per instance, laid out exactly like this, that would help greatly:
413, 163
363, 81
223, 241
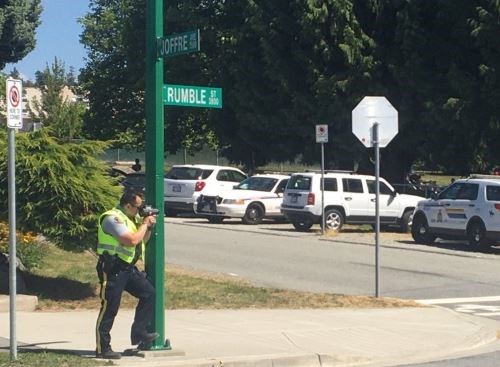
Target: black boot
145, 338
108, 354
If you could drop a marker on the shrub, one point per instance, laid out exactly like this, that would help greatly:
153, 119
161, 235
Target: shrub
62, 188
29, 249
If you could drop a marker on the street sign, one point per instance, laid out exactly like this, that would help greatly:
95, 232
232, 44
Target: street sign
192, 96
14, 95
178, 44
373, 110
321, 133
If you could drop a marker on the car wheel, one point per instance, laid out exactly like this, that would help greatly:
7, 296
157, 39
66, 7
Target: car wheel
303, 225
420, 231
215, 220
406, 220
170, 212
253, 214
334, 220
476, 232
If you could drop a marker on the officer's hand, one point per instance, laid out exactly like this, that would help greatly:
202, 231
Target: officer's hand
150, 220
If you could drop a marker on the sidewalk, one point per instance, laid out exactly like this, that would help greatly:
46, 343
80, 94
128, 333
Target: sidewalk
333, 337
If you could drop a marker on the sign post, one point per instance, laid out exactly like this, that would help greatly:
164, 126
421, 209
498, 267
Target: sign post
375, 123
322, 137
155, 251
14, 92
158, 95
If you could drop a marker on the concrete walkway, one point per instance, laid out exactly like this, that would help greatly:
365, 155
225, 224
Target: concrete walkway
331, 337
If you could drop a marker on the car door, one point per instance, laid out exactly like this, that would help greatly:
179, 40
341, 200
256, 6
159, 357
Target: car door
388, 207
273, 204
454, 205
355, 200
491, 212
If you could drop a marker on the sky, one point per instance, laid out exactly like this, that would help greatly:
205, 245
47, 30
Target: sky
58, 35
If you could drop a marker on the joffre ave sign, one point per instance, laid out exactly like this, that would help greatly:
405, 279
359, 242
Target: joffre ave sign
178, 44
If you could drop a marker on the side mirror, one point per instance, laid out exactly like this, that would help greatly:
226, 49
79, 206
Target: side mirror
434, 196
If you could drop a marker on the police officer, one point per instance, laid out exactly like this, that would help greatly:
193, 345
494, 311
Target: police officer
122, 235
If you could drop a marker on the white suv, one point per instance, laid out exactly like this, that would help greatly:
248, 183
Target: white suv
349, 198
184, 183
252, 200
467, 209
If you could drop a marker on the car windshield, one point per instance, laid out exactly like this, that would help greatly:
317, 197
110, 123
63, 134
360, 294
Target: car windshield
134, 182
257, 184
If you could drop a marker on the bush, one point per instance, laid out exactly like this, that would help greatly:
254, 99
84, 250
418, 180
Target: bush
62, 188
29, 249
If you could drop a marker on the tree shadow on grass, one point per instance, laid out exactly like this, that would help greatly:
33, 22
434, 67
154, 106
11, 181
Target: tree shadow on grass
58, 289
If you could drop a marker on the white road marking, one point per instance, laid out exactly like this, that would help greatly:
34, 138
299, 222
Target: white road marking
444, 301
471, 308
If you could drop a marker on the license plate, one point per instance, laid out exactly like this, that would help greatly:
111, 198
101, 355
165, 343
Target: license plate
294, 199
176, 188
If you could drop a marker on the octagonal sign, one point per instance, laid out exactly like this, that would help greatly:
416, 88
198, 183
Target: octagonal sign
369, 111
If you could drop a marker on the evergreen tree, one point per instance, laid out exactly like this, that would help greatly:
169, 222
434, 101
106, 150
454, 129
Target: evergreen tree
18, 22
63, 118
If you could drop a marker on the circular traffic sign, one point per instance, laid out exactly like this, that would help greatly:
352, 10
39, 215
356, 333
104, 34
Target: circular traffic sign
14, 96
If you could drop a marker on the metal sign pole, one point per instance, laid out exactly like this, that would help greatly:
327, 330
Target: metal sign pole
377, 208
12, 242
155, 250
322, 188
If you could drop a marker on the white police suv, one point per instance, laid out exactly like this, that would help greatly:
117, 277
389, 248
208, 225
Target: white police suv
467, 209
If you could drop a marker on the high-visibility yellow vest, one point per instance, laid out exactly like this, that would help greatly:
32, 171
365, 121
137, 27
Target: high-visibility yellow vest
108, 243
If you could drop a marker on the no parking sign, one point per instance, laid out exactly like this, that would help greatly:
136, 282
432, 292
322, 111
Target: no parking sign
321, 133
14, 103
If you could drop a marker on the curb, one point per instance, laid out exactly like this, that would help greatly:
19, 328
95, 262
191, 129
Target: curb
24, 302
271, 360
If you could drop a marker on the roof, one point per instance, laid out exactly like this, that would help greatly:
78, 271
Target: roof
203, 166
271, 175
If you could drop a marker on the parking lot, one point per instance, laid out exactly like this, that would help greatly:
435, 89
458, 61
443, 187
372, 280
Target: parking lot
350, 234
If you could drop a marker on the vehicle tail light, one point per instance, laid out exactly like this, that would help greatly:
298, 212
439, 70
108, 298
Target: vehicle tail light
199, 186
310, 199
497, 206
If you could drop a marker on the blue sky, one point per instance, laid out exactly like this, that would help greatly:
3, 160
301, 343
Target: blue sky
57, 36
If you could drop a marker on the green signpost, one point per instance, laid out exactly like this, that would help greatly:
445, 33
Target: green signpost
191, 96
158, 95
155, 251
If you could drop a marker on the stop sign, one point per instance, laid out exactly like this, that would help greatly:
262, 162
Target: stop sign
369, 111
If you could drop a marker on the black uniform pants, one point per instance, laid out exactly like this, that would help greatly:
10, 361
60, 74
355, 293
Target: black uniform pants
113, 283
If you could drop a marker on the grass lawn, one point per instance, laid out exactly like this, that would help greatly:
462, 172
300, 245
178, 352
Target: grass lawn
47, 359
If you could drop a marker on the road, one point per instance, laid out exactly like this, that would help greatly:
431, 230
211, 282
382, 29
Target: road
274, 255
449, 274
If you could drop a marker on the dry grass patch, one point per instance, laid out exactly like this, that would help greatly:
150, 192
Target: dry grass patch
69, 281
